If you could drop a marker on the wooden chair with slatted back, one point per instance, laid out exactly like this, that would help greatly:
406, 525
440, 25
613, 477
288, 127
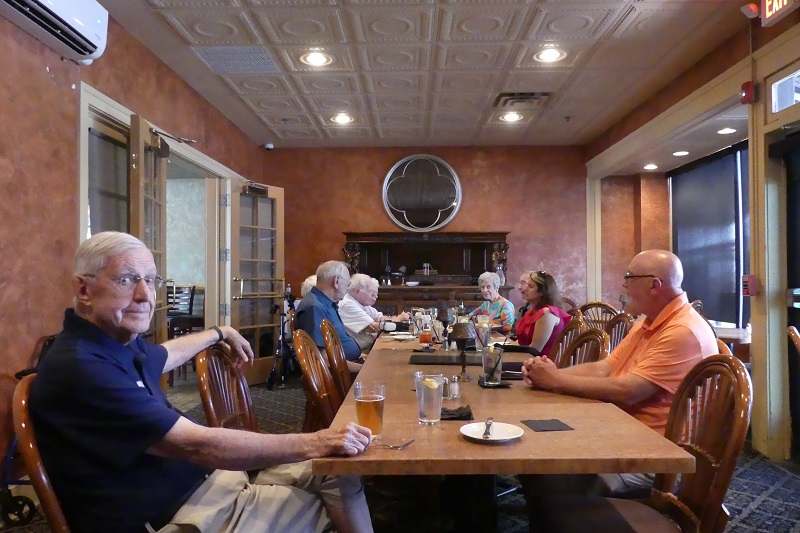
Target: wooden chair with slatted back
723, 348
588, 347
336, 359
709, 418
575, 327
28, 449
570, 306
322, 396
597, 314
224, 390
617, 328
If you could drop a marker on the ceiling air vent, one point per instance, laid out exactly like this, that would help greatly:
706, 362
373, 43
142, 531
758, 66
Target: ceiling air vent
237, 59
520, 101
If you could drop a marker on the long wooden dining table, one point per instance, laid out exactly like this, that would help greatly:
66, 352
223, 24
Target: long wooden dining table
603, 439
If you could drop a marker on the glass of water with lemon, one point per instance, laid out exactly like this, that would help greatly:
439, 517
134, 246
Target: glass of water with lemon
429, 388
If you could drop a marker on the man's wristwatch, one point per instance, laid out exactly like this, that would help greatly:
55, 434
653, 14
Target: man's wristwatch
219, 332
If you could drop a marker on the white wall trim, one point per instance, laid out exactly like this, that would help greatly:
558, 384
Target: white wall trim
705, 102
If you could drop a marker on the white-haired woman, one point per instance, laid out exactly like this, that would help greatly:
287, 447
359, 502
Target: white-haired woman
363, 322
309, 283
500, 310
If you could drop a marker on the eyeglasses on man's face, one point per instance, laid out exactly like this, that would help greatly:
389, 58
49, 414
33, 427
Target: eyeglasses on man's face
129, 282
628, 276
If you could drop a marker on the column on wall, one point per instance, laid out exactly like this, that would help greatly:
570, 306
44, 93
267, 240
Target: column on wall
634, 217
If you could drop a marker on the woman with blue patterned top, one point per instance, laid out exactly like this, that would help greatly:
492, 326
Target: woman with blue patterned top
500, 310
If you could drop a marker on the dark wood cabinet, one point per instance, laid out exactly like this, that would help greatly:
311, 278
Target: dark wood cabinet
456, 260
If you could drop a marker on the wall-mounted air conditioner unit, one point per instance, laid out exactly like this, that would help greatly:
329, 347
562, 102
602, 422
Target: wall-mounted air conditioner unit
76, 29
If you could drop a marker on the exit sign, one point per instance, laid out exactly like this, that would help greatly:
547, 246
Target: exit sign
774, 10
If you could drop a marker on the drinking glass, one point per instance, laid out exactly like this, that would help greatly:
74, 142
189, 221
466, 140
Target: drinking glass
492, 364
370, 397
429, 396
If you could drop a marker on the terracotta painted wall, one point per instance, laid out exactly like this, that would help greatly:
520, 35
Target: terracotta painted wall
634, 217
538, 195
618, 223
39, 170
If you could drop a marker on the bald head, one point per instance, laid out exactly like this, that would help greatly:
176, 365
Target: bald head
662, 264
654, 280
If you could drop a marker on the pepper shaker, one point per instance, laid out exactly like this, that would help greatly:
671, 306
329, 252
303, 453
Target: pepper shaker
446, 389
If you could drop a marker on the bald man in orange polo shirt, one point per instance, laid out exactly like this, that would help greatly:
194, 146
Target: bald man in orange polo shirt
643, 373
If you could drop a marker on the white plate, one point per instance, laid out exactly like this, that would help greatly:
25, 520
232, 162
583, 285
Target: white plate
402, 336
501, 432
412, 283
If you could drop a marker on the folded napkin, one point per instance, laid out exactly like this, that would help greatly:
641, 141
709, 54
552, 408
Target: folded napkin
459, 413
547, 425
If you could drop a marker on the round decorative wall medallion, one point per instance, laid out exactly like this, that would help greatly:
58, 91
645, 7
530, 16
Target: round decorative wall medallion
421, 193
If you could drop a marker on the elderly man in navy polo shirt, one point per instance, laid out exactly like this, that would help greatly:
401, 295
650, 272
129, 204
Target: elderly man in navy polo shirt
333, 278
122, 459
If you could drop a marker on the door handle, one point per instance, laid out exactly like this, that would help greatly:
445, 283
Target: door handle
793, 298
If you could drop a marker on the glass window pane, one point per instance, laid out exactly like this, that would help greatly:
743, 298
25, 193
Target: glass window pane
247, 312
266, 271
247, 243
266, 244
265, 213
246, 208
264, 308
108, 184
786, 92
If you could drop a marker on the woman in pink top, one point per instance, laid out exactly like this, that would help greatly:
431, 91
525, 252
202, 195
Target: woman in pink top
540, 326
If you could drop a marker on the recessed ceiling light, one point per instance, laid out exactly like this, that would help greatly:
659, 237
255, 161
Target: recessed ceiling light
316, 58
680, 153
650, 166
726, 131
342, 118
549, 55
511, 116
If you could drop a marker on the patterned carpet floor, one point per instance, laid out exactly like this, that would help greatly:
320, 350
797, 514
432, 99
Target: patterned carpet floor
763, 497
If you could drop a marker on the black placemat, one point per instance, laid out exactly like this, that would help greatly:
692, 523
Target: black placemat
501, 385
435, 359
547, 425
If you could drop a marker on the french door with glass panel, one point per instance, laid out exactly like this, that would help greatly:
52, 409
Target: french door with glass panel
147, 209
258, 272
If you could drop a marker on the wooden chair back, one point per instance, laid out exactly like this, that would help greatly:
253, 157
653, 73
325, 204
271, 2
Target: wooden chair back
795, 336
29, 450
588, 347
723, 348
709, 418
336, 359
224, 390
569, 305
323, 399
697, 305
180, 299
617, 328
575, 327
597, 314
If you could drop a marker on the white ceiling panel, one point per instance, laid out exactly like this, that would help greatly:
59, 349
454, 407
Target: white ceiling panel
428, 72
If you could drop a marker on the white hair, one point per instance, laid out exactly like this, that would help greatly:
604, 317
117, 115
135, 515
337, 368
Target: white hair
491, 278
361, 282
94, 253
307, 285
330, 270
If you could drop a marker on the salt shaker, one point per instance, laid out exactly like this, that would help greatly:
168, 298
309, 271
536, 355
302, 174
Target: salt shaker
455, 389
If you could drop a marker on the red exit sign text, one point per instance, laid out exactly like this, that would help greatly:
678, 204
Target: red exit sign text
774, 10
